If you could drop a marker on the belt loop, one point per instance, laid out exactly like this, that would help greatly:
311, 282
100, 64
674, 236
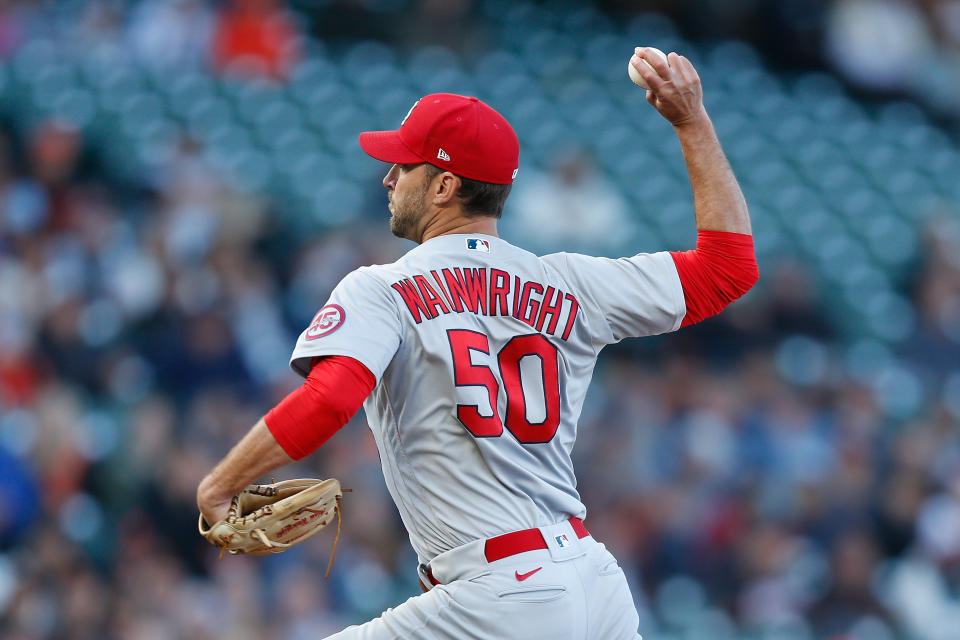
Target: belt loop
578, 527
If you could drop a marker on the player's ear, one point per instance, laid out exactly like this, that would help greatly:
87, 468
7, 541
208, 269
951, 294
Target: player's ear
445, 187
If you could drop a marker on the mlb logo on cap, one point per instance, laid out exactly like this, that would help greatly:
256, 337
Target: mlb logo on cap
476, 244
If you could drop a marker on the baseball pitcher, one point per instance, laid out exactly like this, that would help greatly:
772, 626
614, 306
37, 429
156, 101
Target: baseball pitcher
472, 357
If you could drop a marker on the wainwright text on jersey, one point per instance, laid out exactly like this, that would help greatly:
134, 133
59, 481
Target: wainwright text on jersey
491, 293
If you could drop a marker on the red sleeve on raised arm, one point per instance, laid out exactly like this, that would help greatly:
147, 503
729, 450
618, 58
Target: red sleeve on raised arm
327, 399
722, 268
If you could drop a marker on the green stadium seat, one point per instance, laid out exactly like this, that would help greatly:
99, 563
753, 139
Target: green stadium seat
326, 98
251, 99
449, 80
293, 142
492, 66
155, 143
603, 52
644, 27
335, 202
228, 139
341, 125
33, 57
584, 20
206, 114
138, 110
49, 81
308, 75
115, 86
249, 171
74, 105
511, 88
357, 165
276, 117
187, 89
390, 106
376, 77
309, 169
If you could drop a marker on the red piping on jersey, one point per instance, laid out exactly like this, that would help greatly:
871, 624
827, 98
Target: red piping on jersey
327, 399
510, 544
722, 268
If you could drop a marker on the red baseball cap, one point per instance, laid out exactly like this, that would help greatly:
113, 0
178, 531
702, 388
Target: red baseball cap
461, 134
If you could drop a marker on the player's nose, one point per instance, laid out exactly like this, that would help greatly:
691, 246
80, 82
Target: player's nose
390, 180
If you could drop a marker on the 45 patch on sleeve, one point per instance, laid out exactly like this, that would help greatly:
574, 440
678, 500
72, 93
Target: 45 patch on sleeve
328, 319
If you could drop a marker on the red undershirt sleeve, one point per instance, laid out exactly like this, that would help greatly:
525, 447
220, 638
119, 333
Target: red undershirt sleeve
332, 393
722, 268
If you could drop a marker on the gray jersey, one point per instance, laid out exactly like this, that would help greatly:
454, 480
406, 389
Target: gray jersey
483, 353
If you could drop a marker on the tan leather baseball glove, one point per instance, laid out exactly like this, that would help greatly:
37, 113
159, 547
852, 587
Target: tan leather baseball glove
271, 518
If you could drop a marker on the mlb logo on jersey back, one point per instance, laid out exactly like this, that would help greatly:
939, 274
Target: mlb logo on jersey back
563, 540
476, 244
327, 320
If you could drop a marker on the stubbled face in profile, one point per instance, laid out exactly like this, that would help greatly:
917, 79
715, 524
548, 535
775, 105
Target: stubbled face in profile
407, 192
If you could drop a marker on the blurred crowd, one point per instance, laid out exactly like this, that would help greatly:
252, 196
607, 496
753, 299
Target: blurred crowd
891, 46
894, 47
259, 37
762, 475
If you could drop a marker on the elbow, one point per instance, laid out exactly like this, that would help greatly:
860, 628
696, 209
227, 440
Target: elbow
741, 271
751, 275
732, 279
722, 269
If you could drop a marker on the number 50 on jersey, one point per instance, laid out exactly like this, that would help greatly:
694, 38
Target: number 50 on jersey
467, 374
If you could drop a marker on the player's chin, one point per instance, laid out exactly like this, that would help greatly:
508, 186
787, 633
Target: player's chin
397, 226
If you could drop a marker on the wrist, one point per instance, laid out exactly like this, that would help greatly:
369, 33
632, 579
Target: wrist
210, 493
213, 501
697, 121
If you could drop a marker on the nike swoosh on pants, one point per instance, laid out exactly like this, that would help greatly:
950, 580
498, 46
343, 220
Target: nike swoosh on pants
523, 576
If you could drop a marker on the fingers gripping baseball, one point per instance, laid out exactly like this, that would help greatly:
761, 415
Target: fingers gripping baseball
675, 90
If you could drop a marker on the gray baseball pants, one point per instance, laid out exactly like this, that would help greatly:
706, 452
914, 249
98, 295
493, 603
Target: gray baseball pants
573, 590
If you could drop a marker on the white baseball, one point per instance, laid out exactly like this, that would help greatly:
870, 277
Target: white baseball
635, 75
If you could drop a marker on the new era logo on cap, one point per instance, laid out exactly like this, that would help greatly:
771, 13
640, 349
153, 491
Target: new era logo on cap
466, 135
